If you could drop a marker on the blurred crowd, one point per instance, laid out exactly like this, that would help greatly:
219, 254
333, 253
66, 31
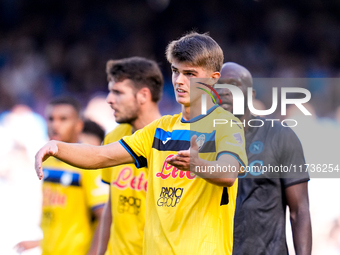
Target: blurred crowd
50, 48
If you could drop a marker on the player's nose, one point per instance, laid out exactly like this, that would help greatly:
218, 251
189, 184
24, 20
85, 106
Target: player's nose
179, 79
223, 92
110, 99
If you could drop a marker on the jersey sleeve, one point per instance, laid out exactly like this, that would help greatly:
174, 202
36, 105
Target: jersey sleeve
230, 140
292, 157
139, 144
96, 192
106, 175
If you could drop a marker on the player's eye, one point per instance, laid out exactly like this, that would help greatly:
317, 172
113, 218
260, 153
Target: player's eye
174, 70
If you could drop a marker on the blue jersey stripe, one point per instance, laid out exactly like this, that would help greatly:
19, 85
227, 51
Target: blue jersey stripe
140, 161
182, 135
180, 140
63, 177
179, 135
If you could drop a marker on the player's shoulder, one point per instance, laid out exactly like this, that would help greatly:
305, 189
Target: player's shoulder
171, 117
228, 115
277, 129
117, 133
220, 113
168, 120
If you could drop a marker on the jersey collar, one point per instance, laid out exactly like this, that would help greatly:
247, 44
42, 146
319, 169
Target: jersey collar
201, 116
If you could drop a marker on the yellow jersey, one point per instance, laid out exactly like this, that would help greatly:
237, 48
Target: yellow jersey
185, 214
128, 193
69, 196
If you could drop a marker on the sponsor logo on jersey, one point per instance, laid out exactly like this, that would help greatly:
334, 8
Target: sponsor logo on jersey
169, 171
170, 196
130, 205
53, 197
127, 179
167, 139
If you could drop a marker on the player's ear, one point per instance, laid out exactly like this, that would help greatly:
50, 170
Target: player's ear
143, 95
214, 78
80, 125
254, 93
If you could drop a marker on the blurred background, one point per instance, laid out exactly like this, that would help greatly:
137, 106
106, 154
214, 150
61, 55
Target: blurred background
50, 48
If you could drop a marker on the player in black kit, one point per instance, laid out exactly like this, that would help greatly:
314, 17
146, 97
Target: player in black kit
260, 217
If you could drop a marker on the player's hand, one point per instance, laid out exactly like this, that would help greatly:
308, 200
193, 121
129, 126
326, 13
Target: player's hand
49, 149
186, 160
26, 245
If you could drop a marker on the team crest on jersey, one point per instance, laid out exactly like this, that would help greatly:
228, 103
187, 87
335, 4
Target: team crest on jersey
256, 147
238, 138
200, 141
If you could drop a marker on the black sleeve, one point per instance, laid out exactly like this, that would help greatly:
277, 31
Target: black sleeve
292, 158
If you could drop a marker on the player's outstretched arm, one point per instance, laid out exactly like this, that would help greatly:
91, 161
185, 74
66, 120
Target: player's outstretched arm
83, 155
26, 245
189, 160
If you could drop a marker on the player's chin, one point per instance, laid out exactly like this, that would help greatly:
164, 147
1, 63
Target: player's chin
121, 120
182, 100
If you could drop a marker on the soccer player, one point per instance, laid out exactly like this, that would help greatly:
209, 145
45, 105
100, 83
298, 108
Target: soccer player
187, 211
260, 217
135, 87
72, 197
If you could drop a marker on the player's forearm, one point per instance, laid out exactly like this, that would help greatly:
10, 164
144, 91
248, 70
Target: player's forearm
221, 172
104, 228
302, 231
26, 245
83, 155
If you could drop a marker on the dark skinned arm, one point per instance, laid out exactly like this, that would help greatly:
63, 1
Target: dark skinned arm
298, 203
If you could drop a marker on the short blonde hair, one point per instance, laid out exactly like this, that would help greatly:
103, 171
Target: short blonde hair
196, 49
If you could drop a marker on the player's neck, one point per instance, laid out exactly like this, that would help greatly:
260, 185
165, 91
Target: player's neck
194, 110
145, 117
73, 140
